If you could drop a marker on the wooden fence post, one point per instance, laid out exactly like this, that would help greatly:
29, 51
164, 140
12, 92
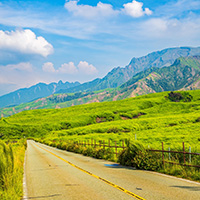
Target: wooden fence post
100, 143
123, 144
190, 160
116, 147
163, 154
184, 152
169, 154
109, 143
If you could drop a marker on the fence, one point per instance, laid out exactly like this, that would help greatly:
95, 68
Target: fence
102, 144
184, 153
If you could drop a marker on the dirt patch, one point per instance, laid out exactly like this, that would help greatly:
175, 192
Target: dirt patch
41, 99
124, 118
138, 115
100, 119
93, 101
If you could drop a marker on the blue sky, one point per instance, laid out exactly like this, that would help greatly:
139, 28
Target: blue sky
48, 40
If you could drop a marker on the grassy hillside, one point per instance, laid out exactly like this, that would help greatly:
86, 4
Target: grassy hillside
153, 118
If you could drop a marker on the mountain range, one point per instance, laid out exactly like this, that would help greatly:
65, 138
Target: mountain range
119, 75
166, 70
34, 92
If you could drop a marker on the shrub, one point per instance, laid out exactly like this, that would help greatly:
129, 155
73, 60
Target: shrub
136, 155
178, 96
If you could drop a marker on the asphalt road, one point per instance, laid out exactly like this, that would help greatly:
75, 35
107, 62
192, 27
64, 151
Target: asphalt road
54, 174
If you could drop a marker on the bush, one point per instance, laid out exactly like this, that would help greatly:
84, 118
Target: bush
180, 96
136, 155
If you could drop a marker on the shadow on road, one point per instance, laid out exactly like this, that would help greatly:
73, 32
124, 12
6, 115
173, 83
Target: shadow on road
187, 187
117, 166
41, 197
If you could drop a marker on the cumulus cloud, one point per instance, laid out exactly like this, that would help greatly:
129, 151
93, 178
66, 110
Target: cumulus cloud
48, 67
88, 11
69, 68
135, 9
86, 68
26, 42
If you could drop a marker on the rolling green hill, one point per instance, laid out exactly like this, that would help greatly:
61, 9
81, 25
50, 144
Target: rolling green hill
154, 118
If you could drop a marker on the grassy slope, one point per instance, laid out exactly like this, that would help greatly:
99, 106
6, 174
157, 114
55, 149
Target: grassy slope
163, 121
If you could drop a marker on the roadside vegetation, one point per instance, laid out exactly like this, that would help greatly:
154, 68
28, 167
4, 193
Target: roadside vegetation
11, 169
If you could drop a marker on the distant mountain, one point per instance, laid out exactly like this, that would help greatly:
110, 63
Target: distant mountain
183, 74
113, 79
34, 92
118, 76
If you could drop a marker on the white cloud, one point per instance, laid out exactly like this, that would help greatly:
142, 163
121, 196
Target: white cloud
48, 67
88, 11
68, 68
20, 67
21, 74
135, 9
26, 42
86, 68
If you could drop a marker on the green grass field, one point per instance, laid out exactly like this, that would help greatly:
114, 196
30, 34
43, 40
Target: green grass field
153, 118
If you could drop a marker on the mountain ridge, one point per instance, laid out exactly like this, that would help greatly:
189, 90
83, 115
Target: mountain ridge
183, 74
119, 75
115, 78
39, 90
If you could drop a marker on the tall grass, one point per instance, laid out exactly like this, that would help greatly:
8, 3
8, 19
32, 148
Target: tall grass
11, 170
6, 165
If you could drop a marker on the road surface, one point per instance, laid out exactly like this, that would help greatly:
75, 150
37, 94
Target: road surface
54, 174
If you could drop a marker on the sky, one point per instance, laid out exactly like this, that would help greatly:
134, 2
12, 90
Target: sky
80, 40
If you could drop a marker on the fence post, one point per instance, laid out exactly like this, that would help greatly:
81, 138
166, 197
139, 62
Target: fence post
94, 143
91, 142
184, 152
163, 154
109, 143
116, 148
135, 137
190, 155
123, 144
100, 143
169, 154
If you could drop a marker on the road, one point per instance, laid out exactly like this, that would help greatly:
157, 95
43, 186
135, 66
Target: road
54, 174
